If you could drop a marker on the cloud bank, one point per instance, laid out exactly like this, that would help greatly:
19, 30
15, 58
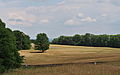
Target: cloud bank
59, 17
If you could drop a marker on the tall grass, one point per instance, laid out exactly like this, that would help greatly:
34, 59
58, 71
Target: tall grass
75, 69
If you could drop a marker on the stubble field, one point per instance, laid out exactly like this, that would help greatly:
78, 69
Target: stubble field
70, 60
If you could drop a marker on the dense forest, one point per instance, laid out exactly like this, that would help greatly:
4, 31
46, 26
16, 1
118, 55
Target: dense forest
89, 40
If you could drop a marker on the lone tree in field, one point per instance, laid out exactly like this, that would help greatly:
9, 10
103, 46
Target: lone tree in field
9, 56
42, 42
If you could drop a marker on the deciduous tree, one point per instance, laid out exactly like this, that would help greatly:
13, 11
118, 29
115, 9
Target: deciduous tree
42, 42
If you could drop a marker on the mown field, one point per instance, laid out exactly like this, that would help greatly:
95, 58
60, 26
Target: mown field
70, 60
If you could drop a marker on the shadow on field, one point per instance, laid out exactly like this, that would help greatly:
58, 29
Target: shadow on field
54, 65
36, 52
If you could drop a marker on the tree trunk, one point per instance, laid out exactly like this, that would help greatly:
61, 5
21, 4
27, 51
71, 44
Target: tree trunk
43, 51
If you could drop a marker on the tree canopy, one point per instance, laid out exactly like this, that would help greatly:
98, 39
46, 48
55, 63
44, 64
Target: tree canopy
9, 56
42, 42
22, 40
2, 24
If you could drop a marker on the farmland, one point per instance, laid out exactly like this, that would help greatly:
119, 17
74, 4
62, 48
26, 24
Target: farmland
70, 60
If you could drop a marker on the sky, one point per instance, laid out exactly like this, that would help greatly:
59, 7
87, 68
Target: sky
61, 17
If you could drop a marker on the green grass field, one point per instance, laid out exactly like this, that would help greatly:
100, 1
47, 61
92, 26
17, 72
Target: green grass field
70, 60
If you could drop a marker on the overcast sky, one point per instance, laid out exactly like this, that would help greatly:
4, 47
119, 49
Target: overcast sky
61, 17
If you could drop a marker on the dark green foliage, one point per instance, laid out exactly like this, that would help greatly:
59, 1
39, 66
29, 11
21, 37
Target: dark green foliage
32, 41
23, 40
55, 41
63, 40
42, 42
77, 39
26, 42
115, 41
2, 24
9, 56
89, 40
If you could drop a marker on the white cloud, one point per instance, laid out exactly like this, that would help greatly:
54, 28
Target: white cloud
53, 9
21, 18
52, 14
10, 3
88, 19
104, 15
61, 3
80, 1
72, 22
80, 14
19, 23
46, 21
114, 2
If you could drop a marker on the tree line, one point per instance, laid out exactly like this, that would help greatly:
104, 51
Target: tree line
89, 40
13, 41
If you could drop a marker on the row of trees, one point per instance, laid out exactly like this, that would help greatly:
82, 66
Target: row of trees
23, 41
89, 40
9, 56
13, 41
